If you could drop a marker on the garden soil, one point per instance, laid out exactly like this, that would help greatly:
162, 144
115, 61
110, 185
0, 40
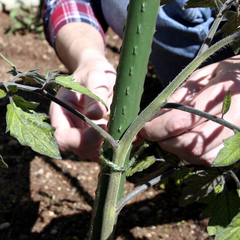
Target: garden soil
49, 199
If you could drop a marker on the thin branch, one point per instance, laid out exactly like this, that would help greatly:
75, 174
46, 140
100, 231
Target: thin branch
234, 176
142, 188
102, 132
201, 114
225, 7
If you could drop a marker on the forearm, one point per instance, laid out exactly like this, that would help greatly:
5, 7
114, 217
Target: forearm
78, 42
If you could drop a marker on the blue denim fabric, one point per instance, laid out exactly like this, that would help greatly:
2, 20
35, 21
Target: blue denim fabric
179, 34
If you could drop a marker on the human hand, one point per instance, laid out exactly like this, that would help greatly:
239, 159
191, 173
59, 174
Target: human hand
190, 137
72, 134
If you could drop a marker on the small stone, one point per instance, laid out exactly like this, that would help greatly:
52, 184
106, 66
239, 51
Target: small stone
193, 226
39, 172
4, 225
144, 210
148, 235
74, 189
51, 213
54, 231
23, 237
69, 166
48, 175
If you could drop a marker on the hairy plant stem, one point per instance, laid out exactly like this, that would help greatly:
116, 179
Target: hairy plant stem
158, 103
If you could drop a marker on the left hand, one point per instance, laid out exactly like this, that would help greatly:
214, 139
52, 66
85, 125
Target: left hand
190, 137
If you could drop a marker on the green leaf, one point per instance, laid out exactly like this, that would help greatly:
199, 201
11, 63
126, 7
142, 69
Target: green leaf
29, 127
226, 103
141, 165
69, 83
10, 63
13, 14
232, 231
231, 26
23, 104
12, 72
198, 185
12, 88
2, 163
2, 94
27, 21
222, 208
230, 153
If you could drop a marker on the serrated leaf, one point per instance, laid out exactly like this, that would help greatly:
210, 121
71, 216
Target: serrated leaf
222, 208
199, 185
2, 94
10, 63
141, 165
231, 25
226, 103
30, 129
23, 104
69, 83
2, 163
232, 231
230, 153
161, 167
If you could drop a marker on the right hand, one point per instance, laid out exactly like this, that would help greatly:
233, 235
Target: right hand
72, 134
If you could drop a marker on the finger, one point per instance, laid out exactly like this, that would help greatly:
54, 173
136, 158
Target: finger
209, 99
85, 143
192, 146
101, 84
61, 117
194, 84
209, 157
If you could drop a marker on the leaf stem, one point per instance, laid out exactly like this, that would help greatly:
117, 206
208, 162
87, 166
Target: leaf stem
142, 188
102, 132
201, 114
233, 175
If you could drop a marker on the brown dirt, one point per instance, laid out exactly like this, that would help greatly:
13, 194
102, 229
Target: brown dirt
43, 198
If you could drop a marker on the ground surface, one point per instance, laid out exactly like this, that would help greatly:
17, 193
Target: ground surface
43, 198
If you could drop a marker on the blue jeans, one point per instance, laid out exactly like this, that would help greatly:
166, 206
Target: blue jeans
179, 34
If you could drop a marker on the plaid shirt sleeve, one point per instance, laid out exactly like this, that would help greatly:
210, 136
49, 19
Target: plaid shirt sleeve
57, 13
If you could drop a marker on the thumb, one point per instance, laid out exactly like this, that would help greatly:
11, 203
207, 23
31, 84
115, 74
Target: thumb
94, 109
104, 90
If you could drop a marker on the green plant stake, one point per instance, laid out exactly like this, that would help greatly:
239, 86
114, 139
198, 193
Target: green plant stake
131, 72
